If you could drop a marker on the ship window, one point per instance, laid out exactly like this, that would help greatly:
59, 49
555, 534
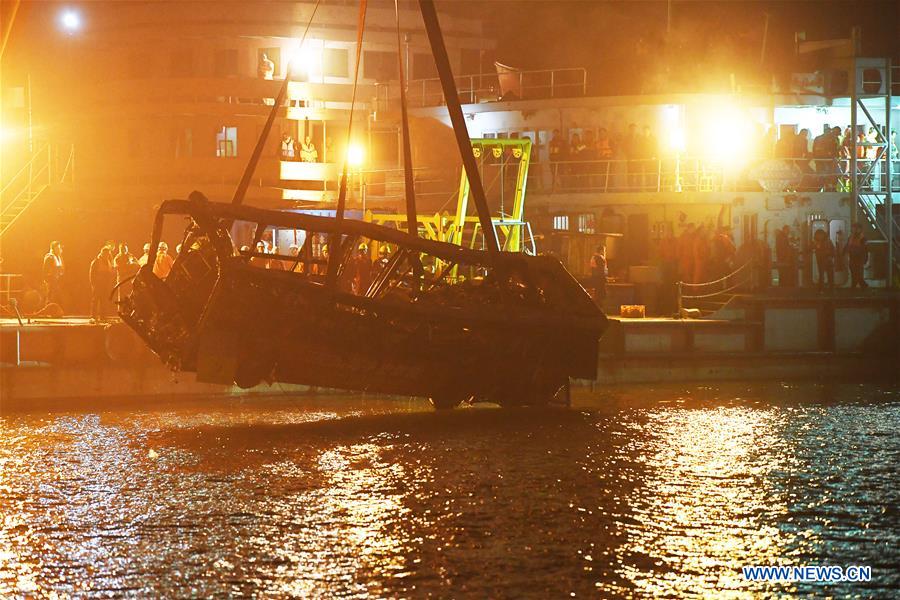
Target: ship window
586, 223
381, 66
226, 142
336, 60
226, 62
423, 67
560, 222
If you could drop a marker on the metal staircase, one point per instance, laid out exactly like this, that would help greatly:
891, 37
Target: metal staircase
873, 209
30, 182
873, 167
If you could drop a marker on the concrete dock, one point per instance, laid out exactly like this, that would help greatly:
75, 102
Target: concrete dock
777, 336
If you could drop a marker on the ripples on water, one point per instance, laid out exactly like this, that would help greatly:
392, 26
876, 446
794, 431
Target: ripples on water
639, 491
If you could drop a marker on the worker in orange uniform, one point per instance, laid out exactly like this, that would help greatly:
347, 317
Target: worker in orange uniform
163, 263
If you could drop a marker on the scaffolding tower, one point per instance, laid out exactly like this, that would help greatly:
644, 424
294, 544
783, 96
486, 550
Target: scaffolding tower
874, 176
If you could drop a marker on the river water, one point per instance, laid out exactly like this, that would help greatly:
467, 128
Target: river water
637, 491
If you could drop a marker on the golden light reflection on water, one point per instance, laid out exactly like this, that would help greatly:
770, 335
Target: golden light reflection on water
358, 507
707, 504
635, 499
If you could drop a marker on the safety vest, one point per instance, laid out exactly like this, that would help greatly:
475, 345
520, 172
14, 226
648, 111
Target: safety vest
604, 150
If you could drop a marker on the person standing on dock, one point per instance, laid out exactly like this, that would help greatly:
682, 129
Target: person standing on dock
858, 254
125, 266
163, 263
362, 271
599, 274
145, 257
668, 259
823, 249
785, 257
102, 281
53, 271
723, 251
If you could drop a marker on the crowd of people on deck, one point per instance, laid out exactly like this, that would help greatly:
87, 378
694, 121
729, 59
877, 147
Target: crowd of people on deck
634, 145
822, 160
707, 255
587, 153
851, 255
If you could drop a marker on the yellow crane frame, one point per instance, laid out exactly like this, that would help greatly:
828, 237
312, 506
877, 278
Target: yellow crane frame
444, 227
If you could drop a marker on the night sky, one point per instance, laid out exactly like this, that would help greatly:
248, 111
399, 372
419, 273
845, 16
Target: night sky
625, 48
623, 44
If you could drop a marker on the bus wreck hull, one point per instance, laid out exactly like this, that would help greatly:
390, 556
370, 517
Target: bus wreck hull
230, 321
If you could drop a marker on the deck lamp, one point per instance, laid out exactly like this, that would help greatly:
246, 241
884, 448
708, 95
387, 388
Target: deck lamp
728, 134
355, 155
70, 21
677, 140
306, 60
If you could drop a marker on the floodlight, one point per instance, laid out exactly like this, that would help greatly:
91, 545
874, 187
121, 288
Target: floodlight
727, 132
70, 21
355, 155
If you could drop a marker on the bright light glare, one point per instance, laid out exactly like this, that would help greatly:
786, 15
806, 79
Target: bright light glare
355, 155
677, 140
673, 122
71, 21
6, 134
727, 135
306, 59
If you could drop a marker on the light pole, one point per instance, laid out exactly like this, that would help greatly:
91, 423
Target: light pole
677, 142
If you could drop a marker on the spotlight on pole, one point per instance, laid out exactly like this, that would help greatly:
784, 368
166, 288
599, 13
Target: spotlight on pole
70, 20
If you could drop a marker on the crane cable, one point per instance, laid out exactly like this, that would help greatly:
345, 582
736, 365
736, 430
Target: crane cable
241, 190
335, 256
412, 220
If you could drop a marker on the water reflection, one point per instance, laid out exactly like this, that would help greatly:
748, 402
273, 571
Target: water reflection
641, 491
707, 505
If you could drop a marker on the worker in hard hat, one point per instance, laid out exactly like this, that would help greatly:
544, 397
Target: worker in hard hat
362, 270
163, 264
